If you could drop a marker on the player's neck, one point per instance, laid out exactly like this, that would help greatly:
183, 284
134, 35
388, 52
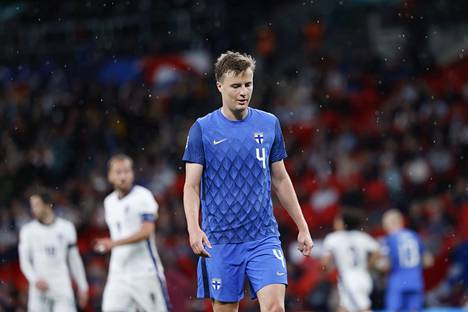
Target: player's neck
48, 219
394, 230
121, 193
234, 115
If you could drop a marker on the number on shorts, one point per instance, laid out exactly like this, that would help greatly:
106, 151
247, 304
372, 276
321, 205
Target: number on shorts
279, 255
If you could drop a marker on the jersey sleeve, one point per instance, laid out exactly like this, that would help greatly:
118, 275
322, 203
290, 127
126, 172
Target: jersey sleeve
194, 152
74, 260
71, 236
149, 207
327, 244
24, 250
371, 244
106, 207
278, 150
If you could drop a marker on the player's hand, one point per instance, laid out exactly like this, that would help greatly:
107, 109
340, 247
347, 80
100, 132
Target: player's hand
305, 243
198, 241
82, 298
42, 285
103, 245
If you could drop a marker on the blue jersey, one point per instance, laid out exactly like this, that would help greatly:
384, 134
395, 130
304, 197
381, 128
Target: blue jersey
235, 189
405, 251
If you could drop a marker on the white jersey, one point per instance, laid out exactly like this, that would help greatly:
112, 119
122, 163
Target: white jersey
124, 218
45, 253
350, 250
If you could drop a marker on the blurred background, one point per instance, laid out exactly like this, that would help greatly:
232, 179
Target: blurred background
371, 94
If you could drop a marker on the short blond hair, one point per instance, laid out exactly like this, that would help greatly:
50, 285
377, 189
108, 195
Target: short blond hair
233, 61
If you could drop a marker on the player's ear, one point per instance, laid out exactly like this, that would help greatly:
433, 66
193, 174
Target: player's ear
109, 177
218, 85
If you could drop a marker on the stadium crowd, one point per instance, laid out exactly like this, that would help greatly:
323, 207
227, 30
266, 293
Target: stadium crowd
364, 139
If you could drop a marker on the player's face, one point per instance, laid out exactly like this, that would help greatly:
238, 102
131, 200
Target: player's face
39, 209
121, 175
236, 90
338, 224
387, 225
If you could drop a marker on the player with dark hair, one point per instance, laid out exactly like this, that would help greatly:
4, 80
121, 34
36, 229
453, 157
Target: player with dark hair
48, 254
234, 157
351, 250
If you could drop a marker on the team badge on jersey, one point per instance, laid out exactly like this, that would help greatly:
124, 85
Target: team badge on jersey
258, 136
216, 283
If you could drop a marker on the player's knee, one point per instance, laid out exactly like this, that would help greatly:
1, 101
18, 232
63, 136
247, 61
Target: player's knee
273, 307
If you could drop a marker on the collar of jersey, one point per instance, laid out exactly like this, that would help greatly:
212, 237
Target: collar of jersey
47, 224
126, 195
249, 113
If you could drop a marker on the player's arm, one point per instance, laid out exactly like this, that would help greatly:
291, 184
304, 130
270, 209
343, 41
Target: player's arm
428, 259
284, 190
374, 260
24, 252
326, 261
147, 209
382, 263
105, 244
198, 238
78, 272
374, 254
26, 266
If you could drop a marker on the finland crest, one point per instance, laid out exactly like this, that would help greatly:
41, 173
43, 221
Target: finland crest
216, 283
258, 136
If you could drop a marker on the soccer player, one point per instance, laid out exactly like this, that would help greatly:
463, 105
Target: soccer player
352, 251
406, 256
136, 276
48, 253
234, 156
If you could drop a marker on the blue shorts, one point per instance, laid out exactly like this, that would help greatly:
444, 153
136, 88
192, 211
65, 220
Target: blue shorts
222, 276
404, 300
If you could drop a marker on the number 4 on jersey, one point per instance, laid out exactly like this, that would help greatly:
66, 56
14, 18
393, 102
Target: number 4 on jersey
261, 156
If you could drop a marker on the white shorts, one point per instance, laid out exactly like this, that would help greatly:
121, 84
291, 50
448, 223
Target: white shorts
140, 293
50, 302
354, 292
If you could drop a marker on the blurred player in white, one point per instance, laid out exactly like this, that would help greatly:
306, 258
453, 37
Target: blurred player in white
48, 253
136, 276
352, 251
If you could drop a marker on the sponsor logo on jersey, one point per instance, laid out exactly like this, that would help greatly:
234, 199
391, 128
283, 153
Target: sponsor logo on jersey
216, 142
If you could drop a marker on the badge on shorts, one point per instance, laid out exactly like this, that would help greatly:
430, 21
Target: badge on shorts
216, 283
